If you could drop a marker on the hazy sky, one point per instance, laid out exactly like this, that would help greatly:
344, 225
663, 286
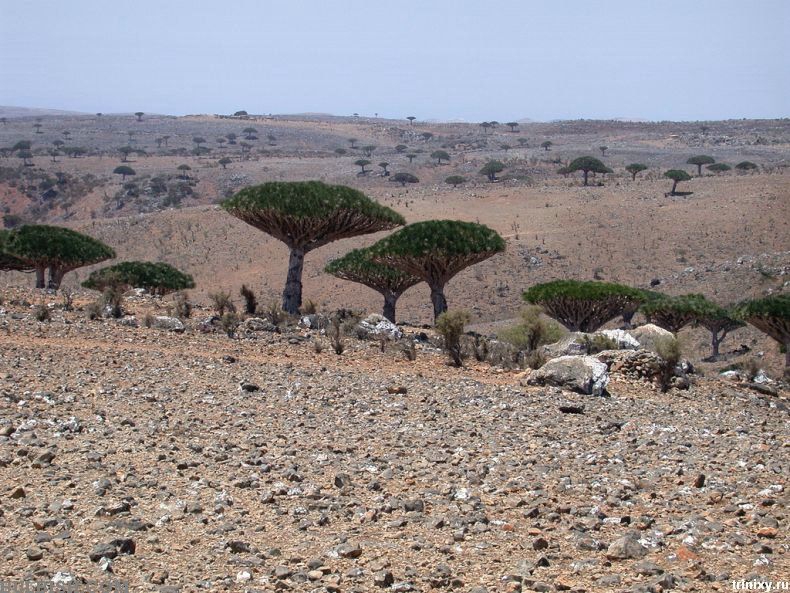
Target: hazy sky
467, 59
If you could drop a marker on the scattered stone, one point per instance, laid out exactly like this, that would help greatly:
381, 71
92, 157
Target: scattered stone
583, 374
626, 548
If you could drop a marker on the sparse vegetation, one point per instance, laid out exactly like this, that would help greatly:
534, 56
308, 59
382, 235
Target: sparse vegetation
588, 164
533, 330
450, 325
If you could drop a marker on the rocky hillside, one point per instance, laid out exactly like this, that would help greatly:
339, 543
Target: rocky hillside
187, 462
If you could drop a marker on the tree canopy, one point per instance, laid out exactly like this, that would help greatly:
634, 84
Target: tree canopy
746, 166
156, 278
455, 180
634, 169
436, 250
718, 167
676, 175
124, 171
404, 178
57, 248
583, 305
440, 155
491, 168
673, 313
771, 315
306, 215
358, 266
699, 160
587, 164
9, 262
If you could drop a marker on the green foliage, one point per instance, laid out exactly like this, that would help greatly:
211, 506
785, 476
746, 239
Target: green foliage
358, 266
701, 159
123, 171
7, 261
450, 326
455, 180
588, 164
718, 167
441, 239
746, 166
22, 145
362, 163
225, 161
44, 245
534, 330
583, 305
635, 168
307, 201
677, 175
675, 312
156, 278
404, 178
771, 315
440, 155
546, 145
491, 168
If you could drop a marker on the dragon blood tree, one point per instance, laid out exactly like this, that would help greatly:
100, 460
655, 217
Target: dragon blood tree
718, 321
306, 215
60, 249
583, 305
437, 250
357, 266
673, 313
771, 315
156, 278
587, 165
9, 263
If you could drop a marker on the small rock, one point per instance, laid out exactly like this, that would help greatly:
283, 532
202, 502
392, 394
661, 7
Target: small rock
625, 548
34, 553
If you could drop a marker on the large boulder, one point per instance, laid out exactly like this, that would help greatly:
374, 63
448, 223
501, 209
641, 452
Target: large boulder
171, 324
583, 374
378, 326
647, 335
572, 344
622, 338
256, 324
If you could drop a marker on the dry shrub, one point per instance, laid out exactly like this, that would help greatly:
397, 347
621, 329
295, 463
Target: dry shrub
668, 348
182, 308
250, 301
450, 326
534, 330
222, 303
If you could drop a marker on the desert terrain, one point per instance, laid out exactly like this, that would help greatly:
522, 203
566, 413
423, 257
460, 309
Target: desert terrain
264, 461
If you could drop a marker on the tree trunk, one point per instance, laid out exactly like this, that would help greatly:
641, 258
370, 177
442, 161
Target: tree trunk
40, 277
585, 176
674, 187
292, 294
699, 170
633, 176
714, 342
389, 306
55, 277
438, 300
787, 359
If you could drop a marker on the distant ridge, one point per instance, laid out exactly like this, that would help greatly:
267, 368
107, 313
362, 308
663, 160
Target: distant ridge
18, 112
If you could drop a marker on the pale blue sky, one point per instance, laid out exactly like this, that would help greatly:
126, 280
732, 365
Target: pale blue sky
474, 60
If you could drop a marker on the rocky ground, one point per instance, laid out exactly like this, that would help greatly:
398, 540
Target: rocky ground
187, 462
